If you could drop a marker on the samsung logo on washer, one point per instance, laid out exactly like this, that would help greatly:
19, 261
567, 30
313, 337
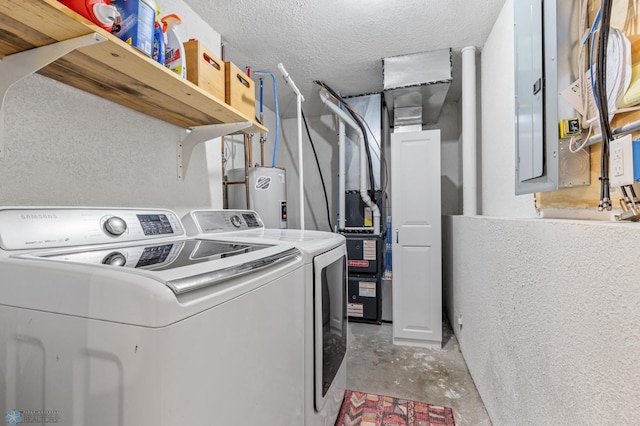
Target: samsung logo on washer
38, 216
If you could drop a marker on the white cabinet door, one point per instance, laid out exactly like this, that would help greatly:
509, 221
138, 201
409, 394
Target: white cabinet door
417, 251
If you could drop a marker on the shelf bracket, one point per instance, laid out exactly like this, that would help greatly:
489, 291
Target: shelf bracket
15, 67
199, 134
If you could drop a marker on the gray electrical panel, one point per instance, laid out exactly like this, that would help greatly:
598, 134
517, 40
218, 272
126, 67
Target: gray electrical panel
529, 79
545, 41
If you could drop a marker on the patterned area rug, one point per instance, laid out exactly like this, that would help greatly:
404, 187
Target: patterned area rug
365, 409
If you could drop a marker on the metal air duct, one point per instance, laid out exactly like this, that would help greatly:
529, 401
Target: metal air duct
415, 87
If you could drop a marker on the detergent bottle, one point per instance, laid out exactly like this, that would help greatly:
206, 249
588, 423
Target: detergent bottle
135, 24
159, 45
175, 56
100, 12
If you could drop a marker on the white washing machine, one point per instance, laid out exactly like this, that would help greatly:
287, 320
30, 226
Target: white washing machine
114, 317
325, 286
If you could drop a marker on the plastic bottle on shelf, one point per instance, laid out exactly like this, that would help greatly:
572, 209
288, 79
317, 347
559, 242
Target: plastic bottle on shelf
135, 23
100, 12
175, 56
159, 44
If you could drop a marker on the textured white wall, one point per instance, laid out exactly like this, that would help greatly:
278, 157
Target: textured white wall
498, 125
551, 325
67, 147
324, 131
551, 329
234, 144
451, 157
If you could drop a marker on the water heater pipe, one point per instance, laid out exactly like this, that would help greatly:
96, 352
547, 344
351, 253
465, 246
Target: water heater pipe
299, 100
277, 111
324, 96
342, 220
263, 135
247, 164
469, 130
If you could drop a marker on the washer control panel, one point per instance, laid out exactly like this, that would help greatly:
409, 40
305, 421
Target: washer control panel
36, 228
115, 226
214, 221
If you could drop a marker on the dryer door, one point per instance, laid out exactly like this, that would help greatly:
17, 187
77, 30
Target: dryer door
330, 319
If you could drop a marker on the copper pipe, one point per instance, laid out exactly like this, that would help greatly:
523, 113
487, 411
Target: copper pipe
250, 145
263, 138
247, 163
222, 153
225, 194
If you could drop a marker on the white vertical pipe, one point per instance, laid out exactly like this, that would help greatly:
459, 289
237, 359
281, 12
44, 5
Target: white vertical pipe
324, 97
469, 146
342, 221
299, 100
300, 160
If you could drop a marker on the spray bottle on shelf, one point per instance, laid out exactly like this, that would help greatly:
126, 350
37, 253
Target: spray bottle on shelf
175, 57
159, 45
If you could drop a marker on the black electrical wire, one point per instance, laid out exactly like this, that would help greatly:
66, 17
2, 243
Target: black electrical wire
324, 188
364, 133
625, 196
372, 192
633, 194
603, 107
601, 76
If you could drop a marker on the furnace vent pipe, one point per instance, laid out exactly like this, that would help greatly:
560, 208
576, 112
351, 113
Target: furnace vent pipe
469, 130
343, 116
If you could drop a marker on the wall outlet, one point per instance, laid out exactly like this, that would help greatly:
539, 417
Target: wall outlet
621, 161
617, 162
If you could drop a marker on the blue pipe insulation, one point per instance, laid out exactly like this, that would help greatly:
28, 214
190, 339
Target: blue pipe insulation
275, 101
261, 87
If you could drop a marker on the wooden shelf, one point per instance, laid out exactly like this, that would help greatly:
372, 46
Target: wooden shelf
112, 70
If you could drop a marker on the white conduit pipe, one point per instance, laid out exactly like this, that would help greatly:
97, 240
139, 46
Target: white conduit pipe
469, 146
363, 159
299, 100
300, 161
342, 220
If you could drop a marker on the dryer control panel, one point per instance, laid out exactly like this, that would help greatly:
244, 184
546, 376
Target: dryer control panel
37, 228
214, 221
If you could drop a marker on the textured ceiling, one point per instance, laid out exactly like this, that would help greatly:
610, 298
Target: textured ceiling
342, 42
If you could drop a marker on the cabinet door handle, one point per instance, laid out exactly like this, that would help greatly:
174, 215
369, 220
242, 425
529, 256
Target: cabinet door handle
397, 237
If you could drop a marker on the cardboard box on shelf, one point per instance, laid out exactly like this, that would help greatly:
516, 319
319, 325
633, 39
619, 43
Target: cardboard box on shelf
240, 91
204, 69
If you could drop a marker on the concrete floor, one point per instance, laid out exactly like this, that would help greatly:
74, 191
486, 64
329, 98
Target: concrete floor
439, 377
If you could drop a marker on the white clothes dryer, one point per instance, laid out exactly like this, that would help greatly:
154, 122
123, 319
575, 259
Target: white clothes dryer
115, 317
325, 286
